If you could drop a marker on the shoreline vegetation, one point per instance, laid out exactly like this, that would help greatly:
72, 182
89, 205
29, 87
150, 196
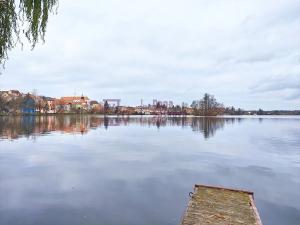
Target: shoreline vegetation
14, 102
284, 113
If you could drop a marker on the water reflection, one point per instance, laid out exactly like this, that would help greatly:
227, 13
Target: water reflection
139, 170
31, 126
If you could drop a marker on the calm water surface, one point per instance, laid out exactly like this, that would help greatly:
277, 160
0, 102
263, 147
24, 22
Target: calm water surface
75, 170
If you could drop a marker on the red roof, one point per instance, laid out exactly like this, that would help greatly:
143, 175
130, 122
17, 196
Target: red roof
74, 99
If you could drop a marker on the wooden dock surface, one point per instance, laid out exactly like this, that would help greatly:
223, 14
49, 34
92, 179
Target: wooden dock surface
211, 205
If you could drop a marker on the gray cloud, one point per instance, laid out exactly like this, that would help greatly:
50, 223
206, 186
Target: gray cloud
290, 86
279, 83
173, 49
294, 96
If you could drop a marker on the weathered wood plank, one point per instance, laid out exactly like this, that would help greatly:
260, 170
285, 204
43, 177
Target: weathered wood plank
210, 205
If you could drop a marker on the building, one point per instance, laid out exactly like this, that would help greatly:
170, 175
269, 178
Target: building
61, 106
126, 110
15, 93
75, 102
93, 104
96, 107
50, 102
28, 105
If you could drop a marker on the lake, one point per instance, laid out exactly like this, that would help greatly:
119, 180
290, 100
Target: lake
75, 170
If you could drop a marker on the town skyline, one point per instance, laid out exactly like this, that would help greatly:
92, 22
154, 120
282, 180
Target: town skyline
63, 104
146, 100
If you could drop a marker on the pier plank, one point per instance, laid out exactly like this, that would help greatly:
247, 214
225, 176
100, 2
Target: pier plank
211, 205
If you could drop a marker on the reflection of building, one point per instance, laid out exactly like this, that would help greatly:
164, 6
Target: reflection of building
15, 127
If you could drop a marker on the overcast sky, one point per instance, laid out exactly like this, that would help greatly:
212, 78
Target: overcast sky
246, 53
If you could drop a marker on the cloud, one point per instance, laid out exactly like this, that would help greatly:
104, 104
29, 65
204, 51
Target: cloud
279, 83
289, 84
294, 96
170, 49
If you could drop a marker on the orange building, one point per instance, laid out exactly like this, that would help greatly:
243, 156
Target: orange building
79, 102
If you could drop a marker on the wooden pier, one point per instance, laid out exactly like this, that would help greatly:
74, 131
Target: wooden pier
211, 205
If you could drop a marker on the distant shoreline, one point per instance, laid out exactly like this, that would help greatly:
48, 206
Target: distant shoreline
133, 115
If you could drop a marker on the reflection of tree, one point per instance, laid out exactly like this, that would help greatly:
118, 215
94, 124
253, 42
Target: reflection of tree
106, 122
211, 124
27, 126
207, 126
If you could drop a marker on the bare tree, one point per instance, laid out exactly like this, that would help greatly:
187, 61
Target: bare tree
207, 106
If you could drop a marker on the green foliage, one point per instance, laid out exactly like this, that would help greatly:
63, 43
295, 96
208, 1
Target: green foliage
29, 18
8, 28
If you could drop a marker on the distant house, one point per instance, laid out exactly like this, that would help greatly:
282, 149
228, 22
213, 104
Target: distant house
93, 103
126, 110
77, 102
10, 95
28, 105
96, 107
61, 106
5, 96
50, 105
15, 93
